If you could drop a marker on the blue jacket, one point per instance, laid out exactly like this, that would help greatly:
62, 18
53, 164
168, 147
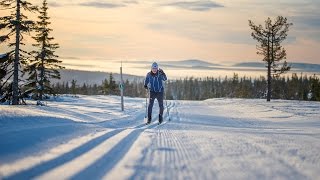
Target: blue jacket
155, 80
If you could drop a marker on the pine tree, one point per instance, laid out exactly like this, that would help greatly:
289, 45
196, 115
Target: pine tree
112, 85
45, 64
270, 38
74, 87
14, 27
105, 87
84, 89
315, 88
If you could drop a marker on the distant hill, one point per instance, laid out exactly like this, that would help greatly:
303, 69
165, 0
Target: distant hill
249, 64
307, 67
190, 63
304, 67
91, 77
179, 64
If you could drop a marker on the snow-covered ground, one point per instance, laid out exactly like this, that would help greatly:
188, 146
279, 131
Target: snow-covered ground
90, 138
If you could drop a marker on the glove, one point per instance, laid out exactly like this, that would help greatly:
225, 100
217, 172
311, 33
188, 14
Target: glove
147, 86
161, 71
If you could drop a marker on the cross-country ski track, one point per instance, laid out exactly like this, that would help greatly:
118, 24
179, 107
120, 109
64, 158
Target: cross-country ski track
90, 138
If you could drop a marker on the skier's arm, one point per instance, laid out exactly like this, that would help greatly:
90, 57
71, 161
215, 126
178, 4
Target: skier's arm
146, 81
164, 76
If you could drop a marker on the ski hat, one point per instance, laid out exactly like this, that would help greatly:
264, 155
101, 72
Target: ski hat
154, 66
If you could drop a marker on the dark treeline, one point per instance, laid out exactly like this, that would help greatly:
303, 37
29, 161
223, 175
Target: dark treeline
290, 88
108, 87
296, 87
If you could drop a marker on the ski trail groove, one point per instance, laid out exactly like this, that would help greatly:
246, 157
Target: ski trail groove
168, 153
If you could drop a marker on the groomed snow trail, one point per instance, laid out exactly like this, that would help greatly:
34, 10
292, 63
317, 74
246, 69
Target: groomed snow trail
212, 139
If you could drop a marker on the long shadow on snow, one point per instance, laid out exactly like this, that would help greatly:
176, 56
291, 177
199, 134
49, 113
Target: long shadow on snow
48, 165
102, 166
125, 122
28, 139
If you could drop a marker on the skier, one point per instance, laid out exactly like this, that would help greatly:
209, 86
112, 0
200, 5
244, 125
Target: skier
154, 83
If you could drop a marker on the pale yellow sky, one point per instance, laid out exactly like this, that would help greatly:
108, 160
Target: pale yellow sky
214, 31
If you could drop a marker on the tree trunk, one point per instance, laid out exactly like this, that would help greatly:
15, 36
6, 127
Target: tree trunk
269, 70
269, 82
41, 83
271, 60
15, 83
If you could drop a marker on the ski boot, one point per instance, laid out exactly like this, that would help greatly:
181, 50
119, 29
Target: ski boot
149, 120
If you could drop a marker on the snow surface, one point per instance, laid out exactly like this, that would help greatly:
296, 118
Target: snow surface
88, 137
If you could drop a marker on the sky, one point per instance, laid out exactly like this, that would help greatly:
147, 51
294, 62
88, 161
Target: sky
98, 31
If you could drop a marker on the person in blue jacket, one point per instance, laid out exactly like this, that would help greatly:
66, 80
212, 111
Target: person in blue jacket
154, 83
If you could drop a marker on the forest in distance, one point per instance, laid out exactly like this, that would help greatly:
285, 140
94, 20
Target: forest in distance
294, 87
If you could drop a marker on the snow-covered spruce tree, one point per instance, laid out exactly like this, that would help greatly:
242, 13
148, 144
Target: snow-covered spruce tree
270, 38
13, 28
4, 58
44, 65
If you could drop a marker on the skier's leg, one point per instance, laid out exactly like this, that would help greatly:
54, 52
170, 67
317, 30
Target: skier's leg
151, 101
161, 108
160, 100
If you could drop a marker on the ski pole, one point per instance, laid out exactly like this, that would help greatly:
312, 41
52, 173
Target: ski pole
147, 94
165, 98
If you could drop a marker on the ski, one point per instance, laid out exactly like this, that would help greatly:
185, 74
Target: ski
162, 123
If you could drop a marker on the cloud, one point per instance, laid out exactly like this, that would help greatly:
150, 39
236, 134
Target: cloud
203, 32
70, 57
97, 4
130, 2
307, 21
195, 5
55, 4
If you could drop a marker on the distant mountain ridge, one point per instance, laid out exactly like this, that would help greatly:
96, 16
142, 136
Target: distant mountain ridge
305, 67
182, 63
201, 64
190, 62
91, 77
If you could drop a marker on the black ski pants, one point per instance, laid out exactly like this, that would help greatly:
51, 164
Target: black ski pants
159, 97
